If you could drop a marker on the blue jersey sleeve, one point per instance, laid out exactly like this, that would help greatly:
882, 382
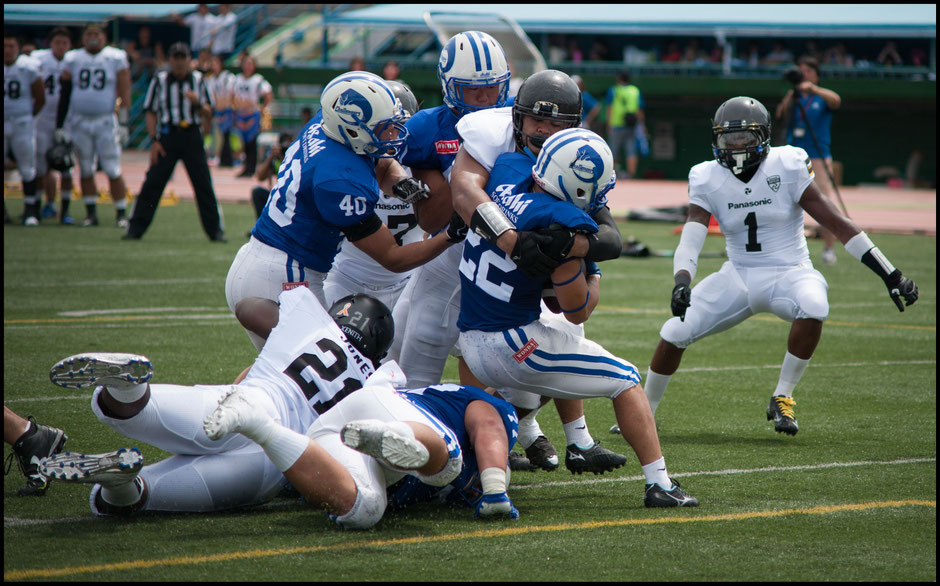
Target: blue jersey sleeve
432, 140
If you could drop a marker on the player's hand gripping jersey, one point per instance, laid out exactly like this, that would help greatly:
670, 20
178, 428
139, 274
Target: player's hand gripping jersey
495, 294
762, 219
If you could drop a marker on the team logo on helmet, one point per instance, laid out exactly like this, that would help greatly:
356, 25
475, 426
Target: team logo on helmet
447, 56
588, 165
352, 107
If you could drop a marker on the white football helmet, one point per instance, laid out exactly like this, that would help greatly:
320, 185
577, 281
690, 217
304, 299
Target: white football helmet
360, 111
576, 165
472, 59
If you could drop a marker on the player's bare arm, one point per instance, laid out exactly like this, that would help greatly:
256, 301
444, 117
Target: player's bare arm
382, 247
821, 209
571, 291
37, 89
434, 212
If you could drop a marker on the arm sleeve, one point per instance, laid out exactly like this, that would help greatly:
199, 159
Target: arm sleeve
607, 243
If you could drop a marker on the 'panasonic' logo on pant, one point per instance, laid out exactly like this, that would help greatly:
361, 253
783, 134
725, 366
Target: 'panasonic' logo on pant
749, 204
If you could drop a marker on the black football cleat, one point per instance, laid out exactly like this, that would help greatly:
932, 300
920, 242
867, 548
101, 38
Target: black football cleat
658, 497
542, 454
29, 451
781, 411
596, 459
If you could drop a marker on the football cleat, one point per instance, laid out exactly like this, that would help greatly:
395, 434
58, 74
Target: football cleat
493, 506
29, 452
781, 411
235, 414
657, 496
31, 221
615, 429
113, 370
829, 256
392, 443
518, 462
90, 221
109, 470
67, 221
595, 459
48, 210
121, 223
542, 454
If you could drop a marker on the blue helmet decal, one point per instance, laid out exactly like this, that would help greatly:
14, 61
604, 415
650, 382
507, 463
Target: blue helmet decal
447, 56
588, 165
353, 108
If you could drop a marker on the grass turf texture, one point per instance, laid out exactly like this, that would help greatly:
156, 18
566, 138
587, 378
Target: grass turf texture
867, 399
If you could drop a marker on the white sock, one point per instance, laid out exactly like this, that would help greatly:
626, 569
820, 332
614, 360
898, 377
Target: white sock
284, 446
790, 374
29, 424
656, 472
655, 387
123, 495
529, 429
494, 480
120, 204
128, 395
576, 432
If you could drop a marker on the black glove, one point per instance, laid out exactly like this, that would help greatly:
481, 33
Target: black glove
900, 286
457, 229
410, 190
529, 256
681, 300
562, 239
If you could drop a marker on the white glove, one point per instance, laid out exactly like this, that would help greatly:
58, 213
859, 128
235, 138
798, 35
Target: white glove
122, 134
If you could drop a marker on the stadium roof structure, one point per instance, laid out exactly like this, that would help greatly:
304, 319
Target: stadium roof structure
735, 20
67, 14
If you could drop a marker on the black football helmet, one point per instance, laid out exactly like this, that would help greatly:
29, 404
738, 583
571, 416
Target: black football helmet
367, 324
59, 156
548, 94
409, 102
741, 134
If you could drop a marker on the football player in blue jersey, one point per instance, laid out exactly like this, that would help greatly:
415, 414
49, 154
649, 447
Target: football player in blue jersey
547, 102
501, 337
327, 188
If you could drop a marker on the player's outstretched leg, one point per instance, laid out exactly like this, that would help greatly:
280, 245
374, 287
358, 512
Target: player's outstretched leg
118, 490
392, 443
116, 371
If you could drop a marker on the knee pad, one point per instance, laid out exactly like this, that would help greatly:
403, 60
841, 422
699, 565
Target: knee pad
677, 332
366, 512
447, 475
813, 309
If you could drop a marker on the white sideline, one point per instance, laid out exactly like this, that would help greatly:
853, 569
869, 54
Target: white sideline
20, 522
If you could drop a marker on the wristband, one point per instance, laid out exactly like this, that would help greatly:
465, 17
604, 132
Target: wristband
488, 222
858, 245
580, 307
880, 265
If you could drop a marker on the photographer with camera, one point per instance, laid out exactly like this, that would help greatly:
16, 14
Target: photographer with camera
809, 127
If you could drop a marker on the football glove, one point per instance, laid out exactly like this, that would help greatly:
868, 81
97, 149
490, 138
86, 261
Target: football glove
410, 190
681, 300
122, 134
529, 257
457, 229
562, 239
900, 286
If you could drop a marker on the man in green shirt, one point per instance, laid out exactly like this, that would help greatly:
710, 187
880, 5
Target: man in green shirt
624, 116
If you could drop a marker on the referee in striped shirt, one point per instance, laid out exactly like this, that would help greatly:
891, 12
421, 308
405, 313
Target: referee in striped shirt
176, 102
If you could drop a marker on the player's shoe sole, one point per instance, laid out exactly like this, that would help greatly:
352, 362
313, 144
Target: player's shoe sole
110, 469
383, 442
122, 371
781, 411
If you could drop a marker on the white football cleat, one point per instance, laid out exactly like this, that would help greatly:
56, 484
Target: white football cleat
392, 443
117, 371
109, 470
235, 414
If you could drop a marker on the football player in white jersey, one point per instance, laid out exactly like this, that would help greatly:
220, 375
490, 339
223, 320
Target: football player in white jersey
23, 98
93, 78
758, 194
354, 271
51, 61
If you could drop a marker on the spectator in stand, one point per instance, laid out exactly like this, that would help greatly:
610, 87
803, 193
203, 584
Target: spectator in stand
391, 71
779, 55
146, 55
200, 25
811, 49
752, 55
203, 62
357, 64
839, 55
223, 32
889, 55
590, 107
672, 54
693, 53
918, 56
574, 51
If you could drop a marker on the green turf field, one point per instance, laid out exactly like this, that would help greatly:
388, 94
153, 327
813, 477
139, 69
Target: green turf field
851, 497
